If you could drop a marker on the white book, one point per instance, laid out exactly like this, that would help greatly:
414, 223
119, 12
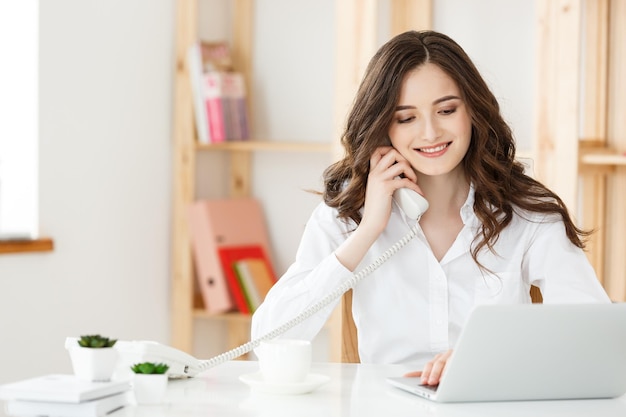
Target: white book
197, 89
61, 388
94, 408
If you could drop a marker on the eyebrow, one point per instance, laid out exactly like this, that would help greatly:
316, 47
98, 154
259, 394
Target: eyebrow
439, 100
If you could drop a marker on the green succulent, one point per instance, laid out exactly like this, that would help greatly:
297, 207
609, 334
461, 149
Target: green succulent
150, 368
96, 341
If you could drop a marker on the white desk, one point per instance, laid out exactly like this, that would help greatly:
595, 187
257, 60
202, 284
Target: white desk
353, 390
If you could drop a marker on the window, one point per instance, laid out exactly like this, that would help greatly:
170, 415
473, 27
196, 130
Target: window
19, 119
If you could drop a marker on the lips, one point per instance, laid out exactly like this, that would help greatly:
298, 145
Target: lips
434, 150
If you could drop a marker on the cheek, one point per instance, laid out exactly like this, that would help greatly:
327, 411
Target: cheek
398, 136
465, 132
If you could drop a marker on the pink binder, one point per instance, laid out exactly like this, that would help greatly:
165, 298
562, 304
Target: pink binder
215, 224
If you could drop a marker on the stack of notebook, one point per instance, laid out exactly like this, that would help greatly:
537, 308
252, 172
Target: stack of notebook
64, 396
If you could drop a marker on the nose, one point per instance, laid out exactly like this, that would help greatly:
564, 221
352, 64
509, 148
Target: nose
430, 129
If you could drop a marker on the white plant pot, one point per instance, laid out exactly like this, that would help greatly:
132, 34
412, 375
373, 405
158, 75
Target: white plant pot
93, 364
149, 388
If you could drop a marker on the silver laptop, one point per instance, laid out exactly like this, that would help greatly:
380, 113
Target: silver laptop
534, 352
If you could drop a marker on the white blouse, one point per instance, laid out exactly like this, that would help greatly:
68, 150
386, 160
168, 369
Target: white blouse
414, 306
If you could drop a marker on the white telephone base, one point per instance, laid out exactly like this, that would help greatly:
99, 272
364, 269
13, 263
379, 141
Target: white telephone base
181, 364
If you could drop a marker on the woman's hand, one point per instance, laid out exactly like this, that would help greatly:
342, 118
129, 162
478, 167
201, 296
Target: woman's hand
433, 370
386, 166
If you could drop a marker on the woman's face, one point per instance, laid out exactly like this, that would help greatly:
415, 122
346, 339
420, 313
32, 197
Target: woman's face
431, 127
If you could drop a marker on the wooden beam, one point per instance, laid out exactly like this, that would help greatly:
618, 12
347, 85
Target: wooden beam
243, 29
596, 49
240, 174
594, 125
411, 15
616, 138
184, 171
558, 62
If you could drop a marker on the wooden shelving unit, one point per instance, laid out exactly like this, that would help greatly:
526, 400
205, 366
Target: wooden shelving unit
589, 174
184, 301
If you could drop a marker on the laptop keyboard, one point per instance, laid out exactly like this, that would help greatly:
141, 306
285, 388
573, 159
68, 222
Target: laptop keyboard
431, 388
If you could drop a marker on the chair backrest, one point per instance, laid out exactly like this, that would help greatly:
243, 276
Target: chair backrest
349, 341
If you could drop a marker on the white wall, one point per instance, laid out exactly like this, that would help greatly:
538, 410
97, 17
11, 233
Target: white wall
105, 163
105, 179
499, 36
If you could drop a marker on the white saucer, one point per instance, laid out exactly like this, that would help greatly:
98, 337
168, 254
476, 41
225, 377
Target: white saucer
256, 382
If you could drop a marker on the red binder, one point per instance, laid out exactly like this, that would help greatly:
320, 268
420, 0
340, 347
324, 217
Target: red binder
215, 224
229, 256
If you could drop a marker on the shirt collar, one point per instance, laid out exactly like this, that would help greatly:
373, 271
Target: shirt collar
467, 210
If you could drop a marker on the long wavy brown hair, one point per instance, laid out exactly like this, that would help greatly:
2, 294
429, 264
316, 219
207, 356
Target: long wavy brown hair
490, 165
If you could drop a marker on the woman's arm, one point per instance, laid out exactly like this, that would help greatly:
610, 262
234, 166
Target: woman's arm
560, 269
314, 274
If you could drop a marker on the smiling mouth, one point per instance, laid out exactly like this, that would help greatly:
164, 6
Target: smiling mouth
434, 149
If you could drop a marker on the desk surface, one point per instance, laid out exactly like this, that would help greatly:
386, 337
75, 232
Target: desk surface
353, 390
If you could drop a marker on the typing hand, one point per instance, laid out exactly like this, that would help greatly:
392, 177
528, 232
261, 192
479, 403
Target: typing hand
433, 370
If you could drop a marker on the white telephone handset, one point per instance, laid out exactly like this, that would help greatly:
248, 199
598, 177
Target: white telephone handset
184, 365
411, 202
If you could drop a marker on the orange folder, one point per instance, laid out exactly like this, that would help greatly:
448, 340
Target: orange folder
215, 224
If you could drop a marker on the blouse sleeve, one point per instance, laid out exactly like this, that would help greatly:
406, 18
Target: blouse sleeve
560, 269
315, 273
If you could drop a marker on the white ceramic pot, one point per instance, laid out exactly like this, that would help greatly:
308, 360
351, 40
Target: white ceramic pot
93, 364
149, 388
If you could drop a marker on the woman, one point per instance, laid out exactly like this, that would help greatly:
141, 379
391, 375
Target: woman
424, 119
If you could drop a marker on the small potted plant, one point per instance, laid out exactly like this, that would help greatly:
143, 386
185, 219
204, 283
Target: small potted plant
149, 382
94, 358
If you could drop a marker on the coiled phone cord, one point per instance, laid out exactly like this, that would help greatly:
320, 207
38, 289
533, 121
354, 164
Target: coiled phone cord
312, 310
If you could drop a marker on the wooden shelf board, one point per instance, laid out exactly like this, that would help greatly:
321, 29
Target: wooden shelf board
229, 317
604, 159
25, 246
273, 146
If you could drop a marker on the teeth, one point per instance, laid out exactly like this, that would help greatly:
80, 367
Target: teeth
435, 149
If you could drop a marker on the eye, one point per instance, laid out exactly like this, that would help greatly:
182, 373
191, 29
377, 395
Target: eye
447, 111
406, 119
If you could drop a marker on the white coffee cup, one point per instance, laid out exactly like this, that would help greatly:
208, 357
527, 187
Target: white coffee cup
284, 361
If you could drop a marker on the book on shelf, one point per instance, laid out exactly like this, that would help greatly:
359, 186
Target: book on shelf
194, 58
260, 273
236, 107
219, 223
226, 108
215, 104
219, 94
61, 388
203, 57
256, 278
239, 275
93, 408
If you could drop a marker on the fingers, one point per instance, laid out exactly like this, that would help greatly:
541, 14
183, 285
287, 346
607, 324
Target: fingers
389, 161
433, 371
413, 374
